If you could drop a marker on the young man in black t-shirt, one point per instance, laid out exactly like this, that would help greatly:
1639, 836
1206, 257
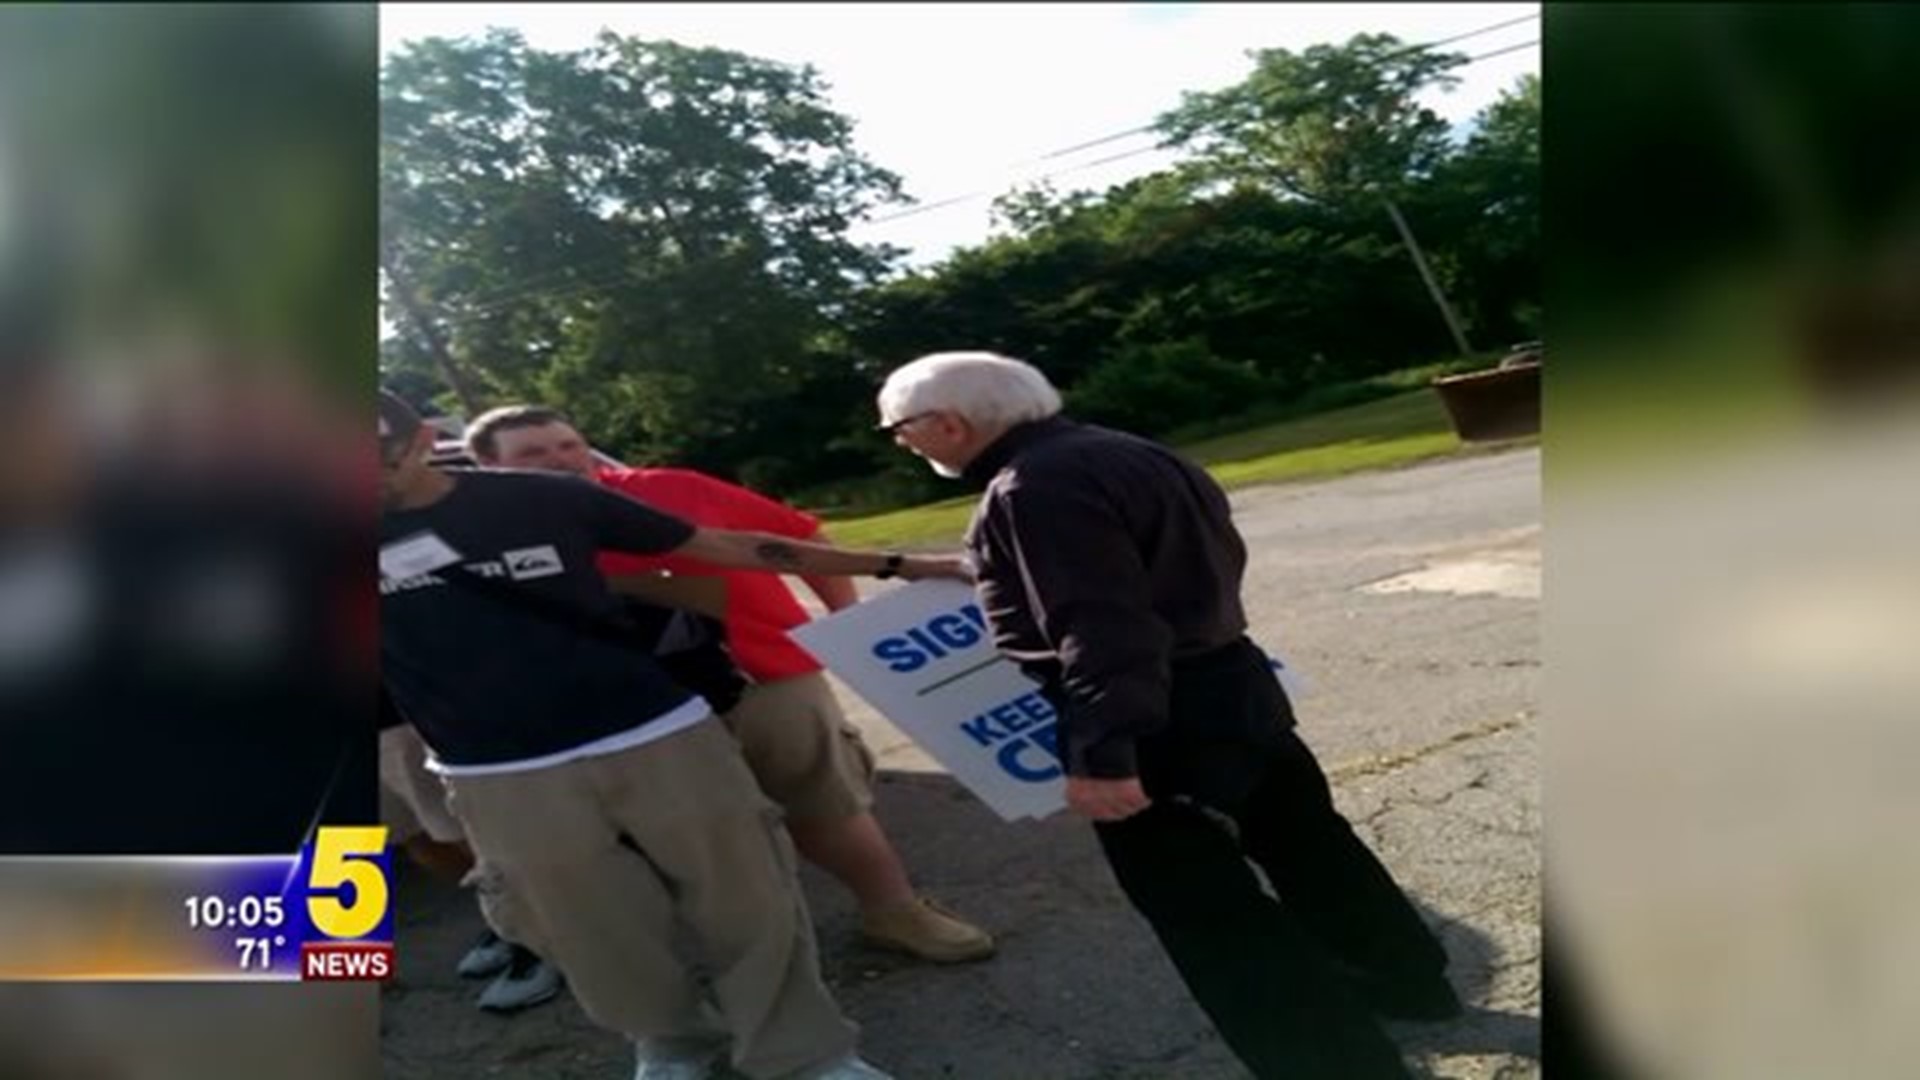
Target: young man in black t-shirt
601, 799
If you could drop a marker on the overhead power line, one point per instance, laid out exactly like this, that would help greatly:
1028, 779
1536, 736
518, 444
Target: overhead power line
486, 305
973, 196
1474, 33
1409, 50
1503, 52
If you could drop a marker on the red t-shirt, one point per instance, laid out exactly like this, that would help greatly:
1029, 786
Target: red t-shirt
760, 607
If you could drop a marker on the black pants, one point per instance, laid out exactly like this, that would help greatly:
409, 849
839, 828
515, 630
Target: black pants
1266, 972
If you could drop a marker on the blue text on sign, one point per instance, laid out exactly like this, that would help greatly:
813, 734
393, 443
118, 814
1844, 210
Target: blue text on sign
1027, 733
916, 647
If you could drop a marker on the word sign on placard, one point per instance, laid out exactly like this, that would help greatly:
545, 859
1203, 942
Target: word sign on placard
923, 657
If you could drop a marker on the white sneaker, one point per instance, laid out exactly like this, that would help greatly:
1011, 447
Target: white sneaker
659, 1062
527, 982
851, 1067
488, 957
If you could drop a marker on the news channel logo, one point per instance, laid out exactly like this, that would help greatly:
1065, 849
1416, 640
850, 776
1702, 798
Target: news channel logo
344, 876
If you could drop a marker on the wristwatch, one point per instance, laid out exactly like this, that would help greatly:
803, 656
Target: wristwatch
892, 568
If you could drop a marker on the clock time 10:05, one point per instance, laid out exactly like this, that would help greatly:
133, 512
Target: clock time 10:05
247, 913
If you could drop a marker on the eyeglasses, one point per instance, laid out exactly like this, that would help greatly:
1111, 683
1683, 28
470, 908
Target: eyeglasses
902, 422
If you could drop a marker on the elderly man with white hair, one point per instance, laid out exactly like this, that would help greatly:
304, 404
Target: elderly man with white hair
1110, 570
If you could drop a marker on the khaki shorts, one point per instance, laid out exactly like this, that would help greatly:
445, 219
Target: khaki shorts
413, 800
802, 749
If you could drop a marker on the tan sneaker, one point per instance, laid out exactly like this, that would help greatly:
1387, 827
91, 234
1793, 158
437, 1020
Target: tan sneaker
928, 931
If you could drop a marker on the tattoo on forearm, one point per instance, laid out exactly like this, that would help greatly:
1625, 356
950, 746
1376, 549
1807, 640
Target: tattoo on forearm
775, 553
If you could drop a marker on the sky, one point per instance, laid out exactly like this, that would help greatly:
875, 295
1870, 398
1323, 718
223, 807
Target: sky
968, 99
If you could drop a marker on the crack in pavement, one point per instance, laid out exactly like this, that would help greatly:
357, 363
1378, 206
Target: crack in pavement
1381, 764
1390, 804
1105, 1059
1476, 782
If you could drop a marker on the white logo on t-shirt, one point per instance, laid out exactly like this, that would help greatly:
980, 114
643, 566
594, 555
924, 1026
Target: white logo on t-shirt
421, 553
392, 586
536, 562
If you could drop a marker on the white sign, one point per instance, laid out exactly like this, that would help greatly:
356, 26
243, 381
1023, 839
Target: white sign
923, 656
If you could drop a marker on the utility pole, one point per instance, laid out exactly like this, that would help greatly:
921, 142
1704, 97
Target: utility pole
450, 370
1426, 275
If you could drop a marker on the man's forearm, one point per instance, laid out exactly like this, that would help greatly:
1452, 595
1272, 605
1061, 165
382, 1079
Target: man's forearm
837, 593
785, 555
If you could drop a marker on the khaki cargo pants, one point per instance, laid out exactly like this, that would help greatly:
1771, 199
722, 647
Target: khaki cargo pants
590, 862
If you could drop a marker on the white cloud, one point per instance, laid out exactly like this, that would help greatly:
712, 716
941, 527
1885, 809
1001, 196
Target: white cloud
959, 98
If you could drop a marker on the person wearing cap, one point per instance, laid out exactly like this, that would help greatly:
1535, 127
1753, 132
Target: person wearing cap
806, 754
604, 804
1109, 569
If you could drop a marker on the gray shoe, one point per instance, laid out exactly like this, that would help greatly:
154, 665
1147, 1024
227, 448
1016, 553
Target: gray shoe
851, 1067
488, 957
527, 982
660, 1061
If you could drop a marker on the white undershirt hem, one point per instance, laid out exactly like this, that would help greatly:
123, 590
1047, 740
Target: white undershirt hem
692, 712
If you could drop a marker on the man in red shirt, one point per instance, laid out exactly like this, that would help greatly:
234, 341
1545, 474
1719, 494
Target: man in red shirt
803, 751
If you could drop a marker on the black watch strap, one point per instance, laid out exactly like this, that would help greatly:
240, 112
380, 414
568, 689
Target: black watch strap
892, 569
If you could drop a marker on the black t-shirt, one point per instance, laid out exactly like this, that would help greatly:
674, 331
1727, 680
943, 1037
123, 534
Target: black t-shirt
487, 681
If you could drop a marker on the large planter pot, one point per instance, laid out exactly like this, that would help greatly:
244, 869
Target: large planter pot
1503, 403
1859, 338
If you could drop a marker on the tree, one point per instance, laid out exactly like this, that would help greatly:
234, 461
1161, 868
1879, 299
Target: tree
1487, 198
1334, 125
645, 233
1031, 207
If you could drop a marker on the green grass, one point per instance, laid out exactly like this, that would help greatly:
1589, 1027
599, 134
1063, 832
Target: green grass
882, 498
1327, 399
1392, 431
934, 523
1403, 427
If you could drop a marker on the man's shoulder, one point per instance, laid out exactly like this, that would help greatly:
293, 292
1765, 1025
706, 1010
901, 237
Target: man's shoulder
1092, 446
519, 486
1072, 451
1097, 435
680, 491
485, 499
656, 478
1037, 472
512, 478
1086, 458
623, 480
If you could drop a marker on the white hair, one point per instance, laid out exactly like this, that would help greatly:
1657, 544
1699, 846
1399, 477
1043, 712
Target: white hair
989, 390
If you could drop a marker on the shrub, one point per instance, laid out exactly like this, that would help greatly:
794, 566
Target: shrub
1155, 388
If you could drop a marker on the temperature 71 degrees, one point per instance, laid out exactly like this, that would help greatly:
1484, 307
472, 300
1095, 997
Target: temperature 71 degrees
256, 953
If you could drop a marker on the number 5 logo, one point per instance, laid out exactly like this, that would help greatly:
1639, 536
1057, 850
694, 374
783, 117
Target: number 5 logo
342, 856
